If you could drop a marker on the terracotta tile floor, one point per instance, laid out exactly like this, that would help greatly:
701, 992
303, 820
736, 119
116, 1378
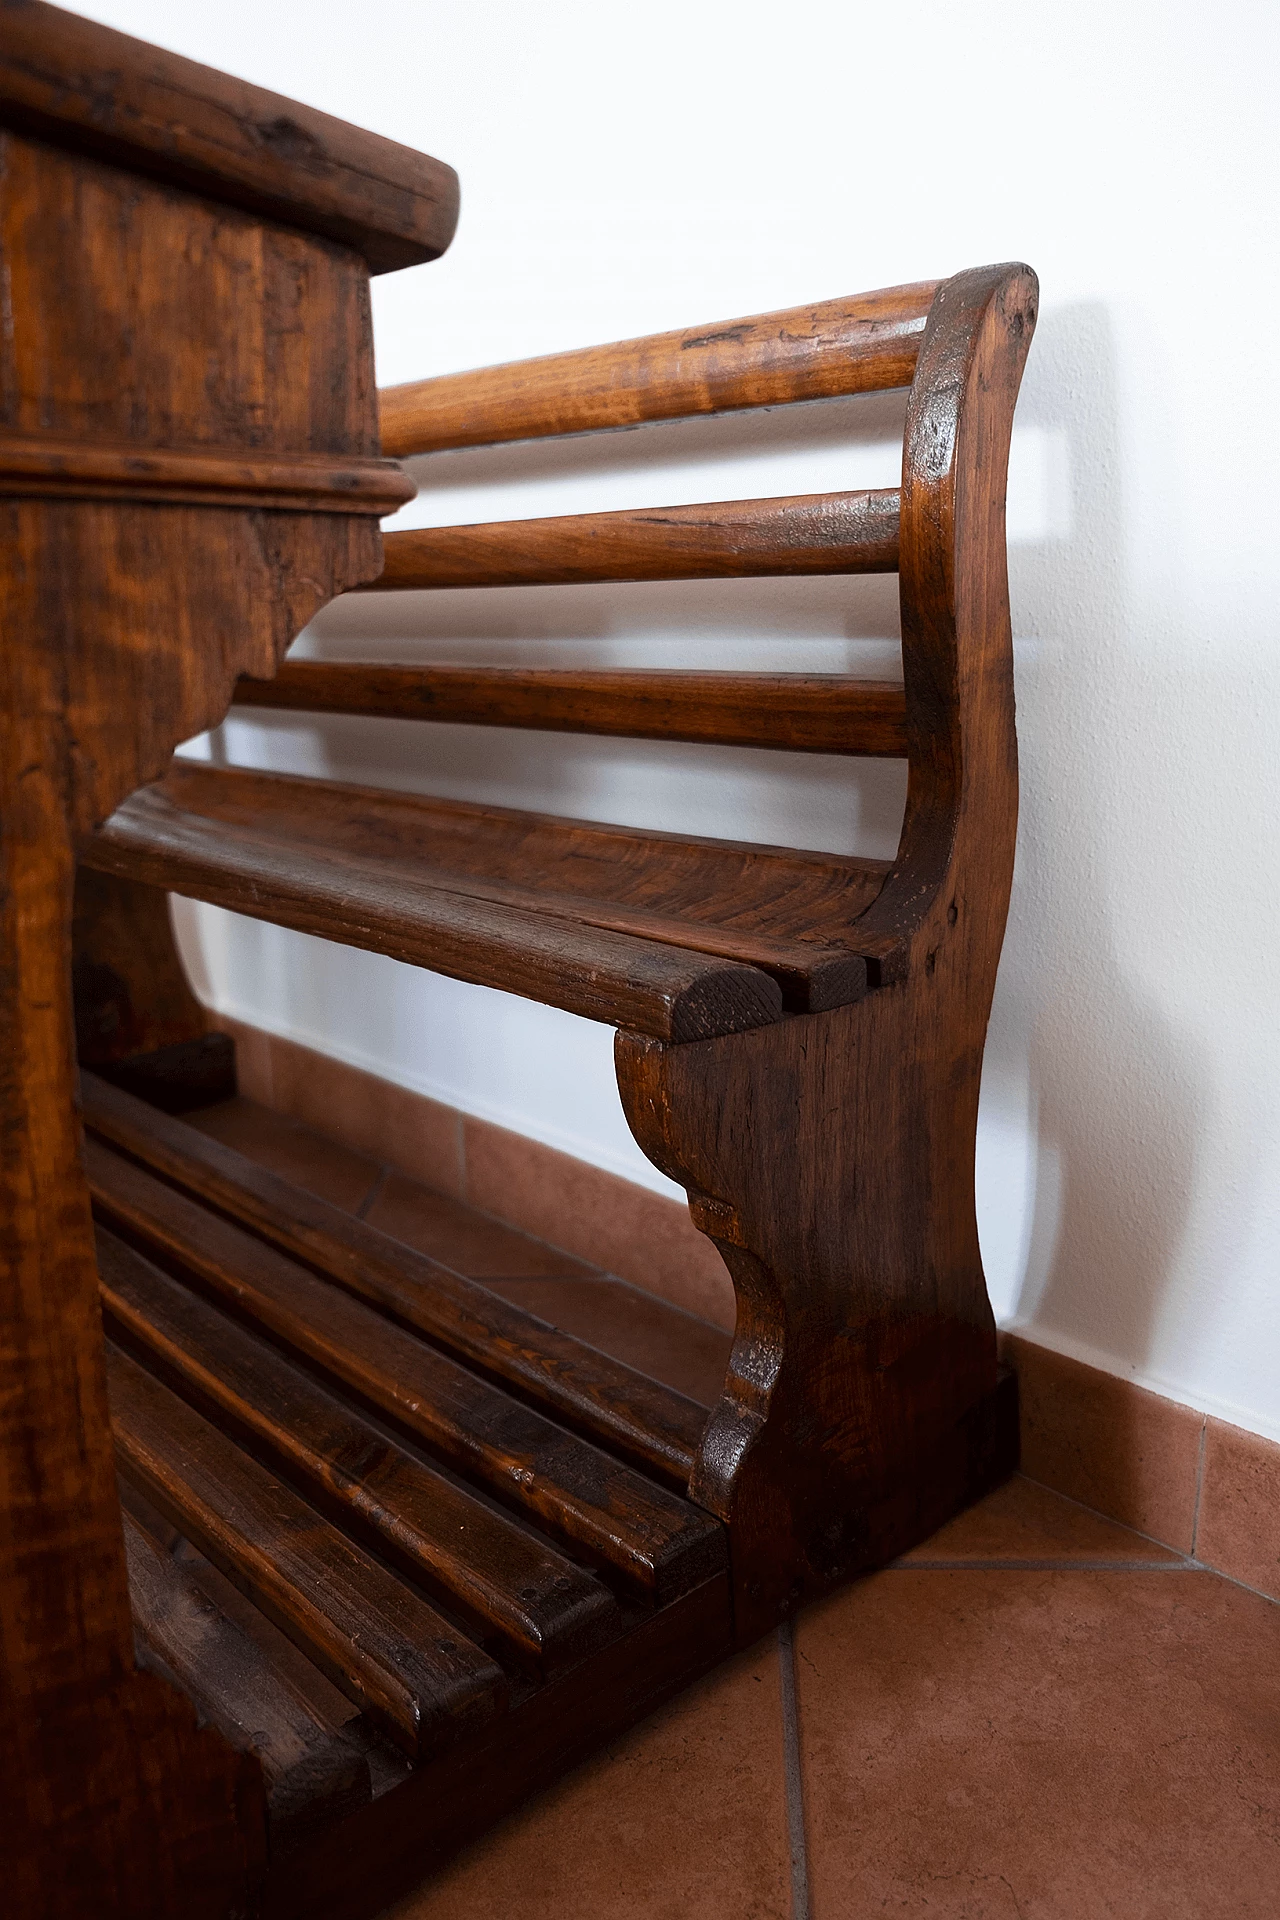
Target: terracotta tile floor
1037, 1715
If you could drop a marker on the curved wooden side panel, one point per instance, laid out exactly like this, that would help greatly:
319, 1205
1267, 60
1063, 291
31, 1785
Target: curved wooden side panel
830, 1157
136, 313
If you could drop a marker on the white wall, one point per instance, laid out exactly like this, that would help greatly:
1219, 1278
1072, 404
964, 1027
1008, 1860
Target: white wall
631, 169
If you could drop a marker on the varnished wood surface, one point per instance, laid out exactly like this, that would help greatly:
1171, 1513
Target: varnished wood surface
136, 313
606, 1512
407, 1666
409, 1486
815, 533
673, 991
567, 911
859, 345
541, 1608
643, 1421
850, 1230
44, 467
104, 93
795, 712
315, 1774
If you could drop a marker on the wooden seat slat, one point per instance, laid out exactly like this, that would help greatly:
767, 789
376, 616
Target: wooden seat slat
706, 930
607, 1513
645, 1422
314, 1773
672, 993
795, 712
865, 344
411, 1669
507, 1585
816, 533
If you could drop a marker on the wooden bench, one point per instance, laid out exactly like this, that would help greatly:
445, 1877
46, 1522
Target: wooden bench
388, 1553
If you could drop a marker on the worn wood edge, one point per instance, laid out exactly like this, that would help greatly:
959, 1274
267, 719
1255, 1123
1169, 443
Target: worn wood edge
673, 992
602, 1509
165, 1325
806, 534
864, 343
440, 1809
227, 1181
327, 1778
417, 1705
808, 972
188, 124
36, 466
792, 712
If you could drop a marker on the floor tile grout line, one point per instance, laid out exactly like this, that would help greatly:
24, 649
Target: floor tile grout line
792, 1781
1202, 1566
1098, 1513
1180, 1565
1195, 1512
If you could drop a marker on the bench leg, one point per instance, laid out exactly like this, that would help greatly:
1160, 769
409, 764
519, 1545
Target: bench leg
830, 1158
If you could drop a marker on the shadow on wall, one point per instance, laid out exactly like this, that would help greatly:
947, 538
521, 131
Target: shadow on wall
1117, 1091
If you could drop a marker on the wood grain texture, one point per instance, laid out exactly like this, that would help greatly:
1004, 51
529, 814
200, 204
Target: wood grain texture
673, 991
860, 345
795, 712
370, 1448
511, 1589
37, 466
861, 1395
406, 1665
314, 1773
563, 910
645, 1422
136, 315
607, 1513
131, 992
104, 93
814, 533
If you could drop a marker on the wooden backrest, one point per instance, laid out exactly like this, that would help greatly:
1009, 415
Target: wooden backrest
959, 345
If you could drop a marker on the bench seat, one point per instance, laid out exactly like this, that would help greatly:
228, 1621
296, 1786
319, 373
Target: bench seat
674, 936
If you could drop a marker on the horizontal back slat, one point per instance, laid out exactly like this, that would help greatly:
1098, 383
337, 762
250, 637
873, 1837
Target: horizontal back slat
802, 713
863, 344
728, 539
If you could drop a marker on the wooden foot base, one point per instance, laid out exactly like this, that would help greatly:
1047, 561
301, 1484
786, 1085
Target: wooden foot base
415, 1551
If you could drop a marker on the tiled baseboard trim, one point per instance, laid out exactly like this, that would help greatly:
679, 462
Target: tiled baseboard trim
1192, 1482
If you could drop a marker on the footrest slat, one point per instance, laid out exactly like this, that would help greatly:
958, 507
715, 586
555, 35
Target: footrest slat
614, 1517
313, 1773
651, 1425
413, 1672
501, 1579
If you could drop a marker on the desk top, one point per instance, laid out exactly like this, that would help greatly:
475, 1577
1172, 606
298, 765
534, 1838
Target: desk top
85, 86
